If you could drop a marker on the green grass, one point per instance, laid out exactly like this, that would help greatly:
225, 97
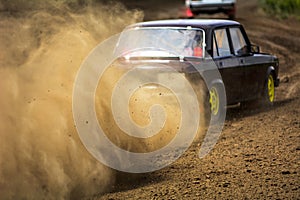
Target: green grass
282, 8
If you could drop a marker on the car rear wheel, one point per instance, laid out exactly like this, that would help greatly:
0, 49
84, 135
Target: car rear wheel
216, 101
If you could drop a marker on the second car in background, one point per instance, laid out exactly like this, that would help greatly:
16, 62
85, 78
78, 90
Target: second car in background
195, 7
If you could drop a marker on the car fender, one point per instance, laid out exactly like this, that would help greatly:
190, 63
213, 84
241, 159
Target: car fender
271, 70
216, 82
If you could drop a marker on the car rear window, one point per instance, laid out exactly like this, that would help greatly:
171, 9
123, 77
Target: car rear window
176, 41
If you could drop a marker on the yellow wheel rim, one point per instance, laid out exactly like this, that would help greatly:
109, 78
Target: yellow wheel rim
271, 89
214, 101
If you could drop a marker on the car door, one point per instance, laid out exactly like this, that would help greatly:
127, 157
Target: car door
241, 48
228, 65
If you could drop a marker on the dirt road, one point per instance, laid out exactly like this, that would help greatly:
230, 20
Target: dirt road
42, 46
258, 153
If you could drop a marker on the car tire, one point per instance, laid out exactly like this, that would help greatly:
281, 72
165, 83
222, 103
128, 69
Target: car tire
268, 96
217, 105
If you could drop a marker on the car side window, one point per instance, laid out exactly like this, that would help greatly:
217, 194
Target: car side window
238, 41
221, 44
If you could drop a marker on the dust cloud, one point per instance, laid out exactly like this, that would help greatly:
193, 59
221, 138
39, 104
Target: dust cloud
139, 106
42, 44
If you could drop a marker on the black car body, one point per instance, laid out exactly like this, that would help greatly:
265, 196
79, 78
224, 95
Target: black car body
247, 74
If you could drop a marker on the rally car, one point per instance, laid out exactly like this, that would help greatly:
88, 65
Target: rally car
190, 46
